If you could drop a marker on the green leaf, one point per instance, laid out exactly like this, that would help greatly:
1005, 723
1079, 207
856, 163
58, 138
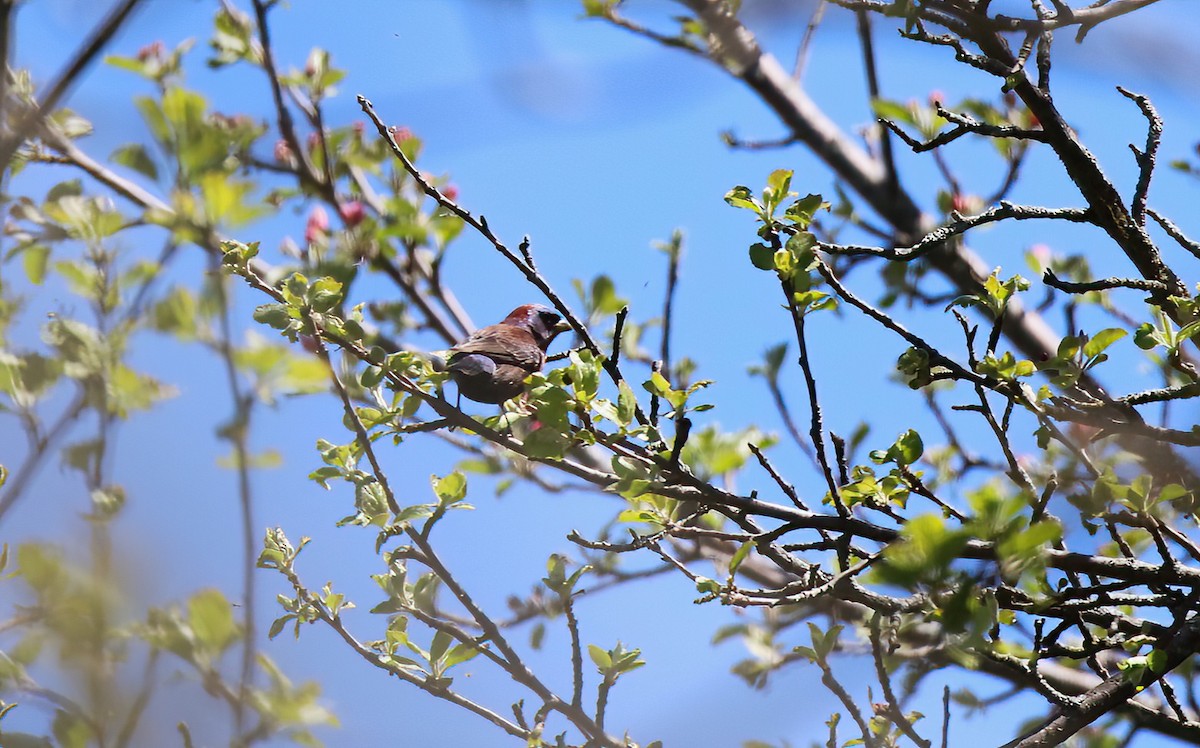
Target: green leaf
785, 263
805, 209
135, 156
1188, 331
742, 197
211, 618
227, 201
1157, 661
1147, 336
924, 553
1006, 367
657, 384
1102, 340
325, 294
278, 624
460, 653
906, 450
604, 298
441, 643
626, 403
70, 731
778, 182
776, 191
277, 316
69, 188
708, 586
762, 257
34, 259
801, 245
892, 110
824, 642
450, 489
547, 443
600, 657
1133, 669
739, 556
70, 124
915, 368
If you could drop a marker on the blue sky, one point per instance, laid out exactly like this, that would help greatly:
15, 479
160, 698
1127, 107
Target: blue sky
595, 143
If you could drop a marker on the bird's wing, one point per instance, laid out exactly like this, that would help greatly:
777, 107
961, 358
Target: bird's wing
504, 344
472, 365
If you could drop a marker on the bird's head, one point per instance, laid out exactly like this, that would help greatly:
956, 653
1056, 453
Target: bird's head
542, 322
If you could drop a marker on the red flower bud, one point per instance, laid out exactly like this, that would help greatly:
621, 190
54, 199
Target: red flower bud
450, 191
352, 212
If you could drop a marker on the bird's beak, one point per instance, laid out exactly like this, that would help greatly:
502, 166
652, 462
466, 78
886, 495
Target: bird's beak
560, 327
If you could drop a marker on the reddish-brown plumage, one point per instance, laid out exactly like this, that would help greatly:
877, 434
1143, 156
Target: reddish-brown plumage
491, 365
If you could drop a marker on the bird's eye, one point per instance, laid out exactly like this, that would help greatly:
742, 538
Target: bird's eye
549, 319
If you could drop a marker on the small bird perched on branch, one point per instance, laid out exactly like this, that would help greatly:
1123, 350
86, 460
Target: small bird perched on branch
490, 366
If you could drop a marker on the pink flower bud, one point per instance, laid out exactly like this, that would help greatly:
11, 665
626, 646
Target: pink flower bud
317, 226
450, 191
153, 51
964, 204
283, 152
1041, 252
401, 134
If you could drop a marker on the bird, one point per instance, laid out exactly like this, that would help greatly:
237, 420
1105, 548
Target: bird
491, 365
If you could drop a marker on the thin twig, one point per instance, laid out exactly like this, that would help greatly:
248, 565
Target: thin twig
890, 703
238, 435
810, 32
283, 115
674, 249
959, 224
1147, 158
576, 651
863, 26
1104, 284
40, 448
1175, 232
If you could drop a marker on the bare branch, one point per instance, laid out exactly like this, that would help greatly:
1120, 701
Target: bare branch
935, 239
1175, 233
1146, 158
1104, 284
